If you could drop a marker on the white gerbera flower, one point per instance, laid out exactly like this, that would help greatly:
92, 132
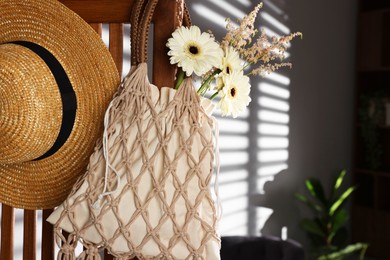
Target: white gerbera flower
194, 51
231, 61
234, 94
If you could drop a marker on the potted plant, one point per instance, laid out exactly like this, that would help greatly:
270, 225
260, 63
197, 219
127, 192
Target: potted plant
326, 228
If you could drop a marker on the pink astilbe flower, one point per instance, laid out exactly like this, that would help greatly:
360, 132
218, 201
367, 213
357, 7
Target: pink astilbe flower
264, 69
263, 50
240, 37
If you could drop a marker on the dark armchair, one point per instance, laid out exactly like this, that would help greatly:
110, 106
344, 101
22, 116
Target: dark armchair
263, 248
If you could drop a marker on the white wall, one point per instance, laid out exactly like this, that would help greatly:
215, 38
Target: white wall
322, 83
321, 100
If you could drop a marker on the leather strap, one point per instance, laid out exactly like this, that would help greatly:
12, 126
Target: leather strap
136, 15
142, 15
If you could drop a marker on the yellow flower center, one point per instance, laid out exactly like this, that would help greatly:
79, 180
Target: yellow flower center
233, 92
228, 69
193, 50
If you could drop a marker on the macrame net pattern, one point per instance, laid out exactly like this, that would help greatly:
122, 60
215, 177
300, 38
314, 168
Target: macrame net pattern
157, 203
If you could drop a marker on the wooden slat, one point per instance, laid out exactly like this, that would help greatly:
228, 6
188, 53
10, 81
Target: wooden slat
102, 11
116, 44
97, 27
47, 236
118, 11
29, 234
107, 256
7, 233
164, 24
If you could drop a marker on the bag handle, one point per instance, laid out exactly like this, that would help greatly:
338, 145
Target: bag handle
141, 20
144, 30
135, 18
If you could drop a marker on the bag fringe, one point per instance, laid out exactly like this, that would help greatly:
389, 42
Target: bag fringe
90, 253
67, 252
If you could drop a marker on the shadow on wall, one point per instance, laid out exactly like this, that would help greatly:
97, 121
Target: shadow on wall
279, 196
253, 147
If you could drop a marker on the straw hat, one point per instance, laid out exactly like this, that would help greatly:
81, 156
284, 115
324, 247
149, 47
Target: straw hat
56, 80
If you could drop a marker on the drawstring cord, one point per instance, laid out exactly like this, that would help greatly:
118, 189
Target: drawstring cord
217, 165
97, 203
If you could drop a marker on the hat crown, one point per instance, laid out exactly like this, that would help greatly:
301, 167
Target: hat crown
85, 79
30, 105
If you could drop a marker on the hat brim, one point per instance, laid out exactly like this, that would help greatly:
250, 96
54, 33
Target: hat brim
87, 62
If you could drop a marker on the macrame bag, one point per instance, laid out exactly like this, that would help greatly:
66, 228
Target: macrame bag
146, 191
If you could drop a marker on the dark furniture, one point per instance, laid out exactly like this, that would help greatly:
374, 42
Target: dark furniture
264, 248
371, 170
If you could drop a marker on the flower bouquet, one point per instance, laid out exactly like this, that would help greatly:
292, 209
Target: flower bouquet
224, 67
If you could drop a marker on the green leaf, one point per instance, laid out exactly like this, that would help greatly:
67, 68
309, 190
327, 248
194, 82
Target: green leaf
337, 183
316, 190
340, 200
180, 78
312, 227
340, 239
338, 220
340, 179
309, 203
346, 252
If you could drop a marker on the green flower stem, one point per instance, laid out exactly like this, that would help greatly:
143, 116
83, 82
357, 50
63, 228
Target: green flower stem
180, 78
206, 84
214, 95
204, 87
246, 65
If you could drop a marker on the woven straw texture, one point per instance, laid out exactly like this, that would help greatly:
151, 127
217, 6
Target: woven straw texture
27, 127
161, 146
28, 75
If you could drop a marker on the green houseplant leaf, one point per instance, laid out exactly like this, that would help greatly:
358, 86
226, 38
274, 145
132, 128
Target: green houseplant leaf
312, 227
338, 255
327, 228
315, 188
338, 220
340, 200
336, 184
339, 180
309, 203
